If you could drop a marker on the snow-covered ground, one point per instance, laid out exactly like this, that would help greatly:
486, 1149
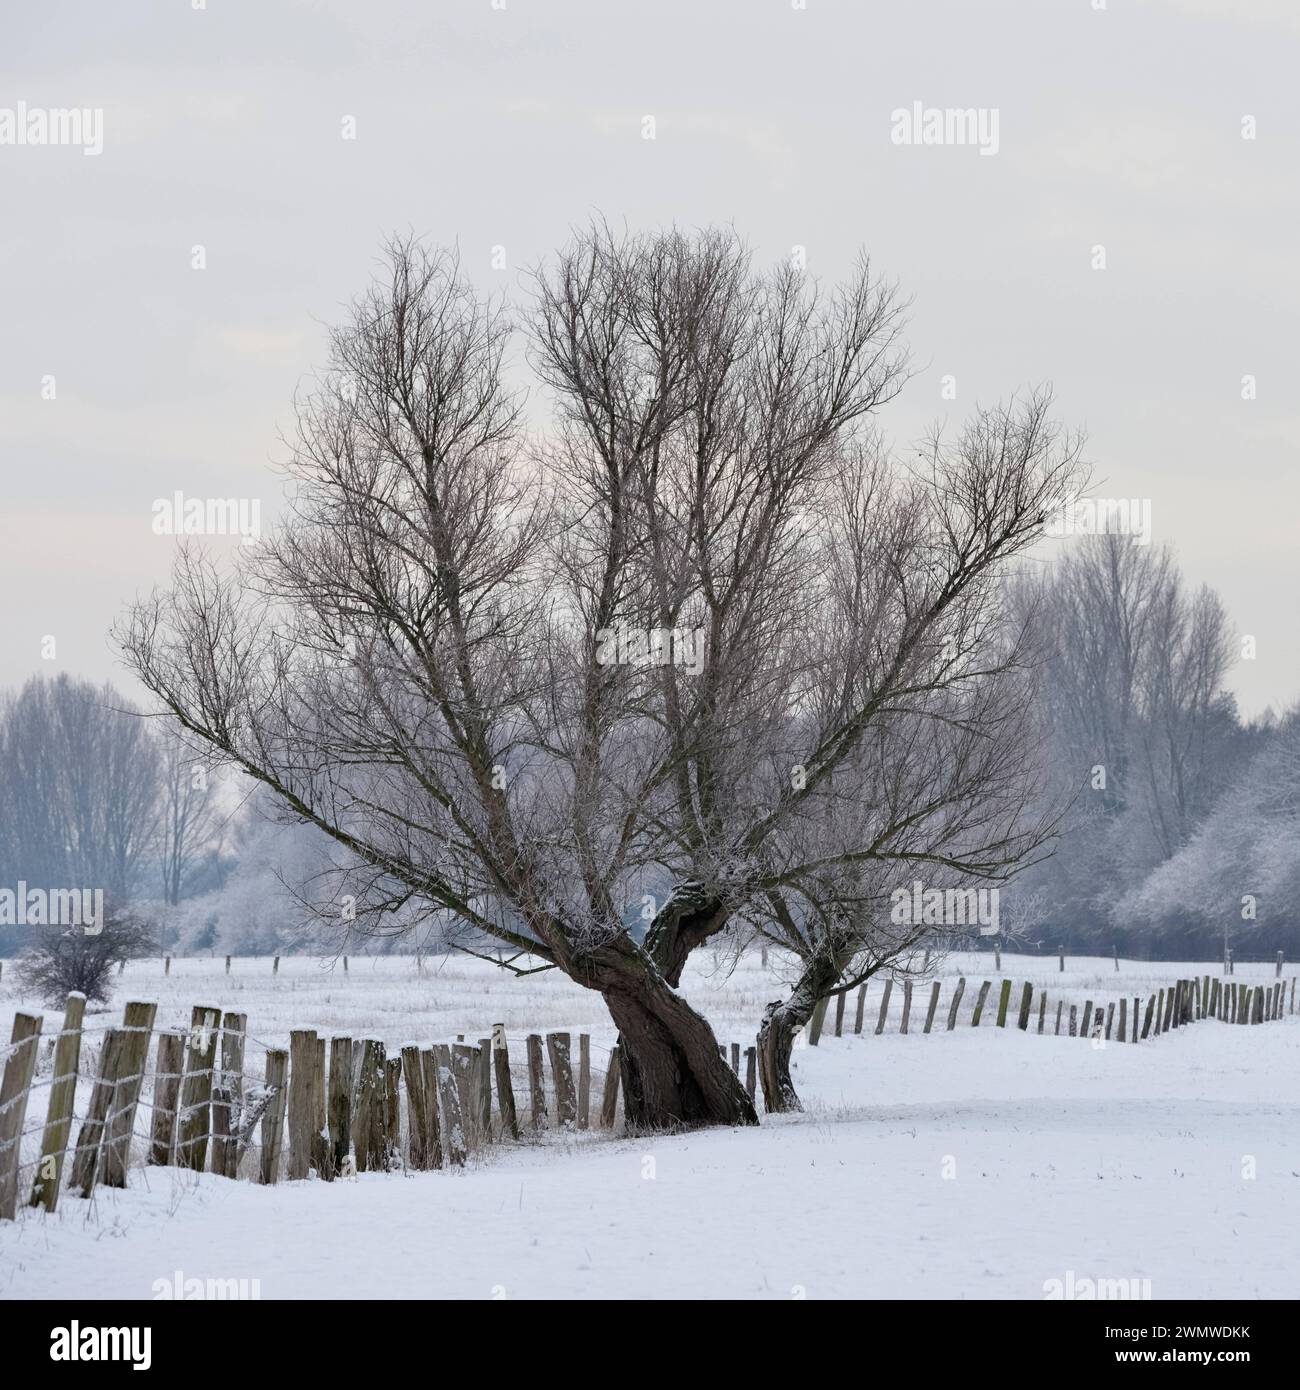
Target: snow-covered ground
966, 1164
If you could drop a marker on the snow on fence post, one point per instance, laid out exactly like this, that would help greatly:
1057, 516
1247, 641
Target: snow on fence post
956, 1002
818, 1020
433, 1129
196, 1089
537, 1082
462, 1070
566, 1102
609, 1097
483, 1088
505, 1087
1074, 1021
137, 1024
839, 1014
751, 1070
453, 1127
14, 1091
393, 1111
907, 1006
302, 1058
978, 1012
884, 1006
584, 1076
417, 1126
1026, 1003
339, 1105
87, 1152
1004, 998
58, 1115
234, 1030
934, 1004
276, 1081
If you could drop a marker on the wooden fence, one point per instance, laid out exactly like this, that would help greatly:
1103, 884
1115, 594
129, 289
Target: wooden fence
326, 1108
1183, 1002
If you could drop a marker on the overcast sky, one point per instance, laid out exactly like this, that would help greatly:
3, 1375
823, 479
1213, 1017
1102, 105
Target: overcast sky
502, 126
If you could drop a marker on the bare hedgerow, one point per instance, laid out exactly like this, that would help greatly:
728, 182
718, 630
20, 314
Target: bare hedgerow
72, 960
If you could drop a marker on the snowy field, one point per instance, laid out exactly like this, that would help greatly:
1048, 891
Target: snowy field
966, 1164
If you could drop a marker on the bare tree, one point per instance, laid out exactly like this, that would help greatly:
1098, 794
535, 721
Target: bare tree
189, 818
528, 685
60, 962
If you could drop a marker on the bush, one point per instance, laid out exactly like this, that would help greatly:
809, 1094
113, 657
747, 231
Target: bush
64, 962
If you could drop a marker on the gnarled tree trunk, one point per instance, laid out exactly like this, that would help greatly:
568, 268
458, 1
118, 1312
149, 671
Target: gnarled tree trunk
782, 1020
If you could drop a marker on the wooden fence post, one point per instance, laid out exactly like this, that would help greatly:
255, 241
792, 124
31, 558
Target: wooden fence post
137, 1025
227, 965
1110, 1018
537, 1082
58, 1116
14, 1091
1042, 1011
584, 1077
1087, 1018
1026, 1003
432, 1105
1146, 1022
1074, 1021
1004, 998
997, 957
1061, 953
277, 1082
302, 1109
862, 1006
566, 1105
393, 1111
1123, 1017
956, 1002
978, 1011
907, 1005
818, 1019
234, 1032
505, 1086
483, 1088
221, 1142
934, 1004
453, 1126
167, 965
1115, 949
342, 1066
1277, 969
417, 1124
751, 1070
609, 1097
86, 1156
196, 1089
462, 1070
839, 1014
1060, 1004
884, 1006
275, 966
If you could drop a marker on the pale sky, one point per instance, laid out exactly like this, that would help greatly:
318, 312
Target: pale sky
504, 125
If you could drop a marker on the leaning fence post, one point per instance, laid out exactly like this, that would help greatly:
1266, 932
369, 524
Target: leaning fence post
884, 1005
818, 1019
505, 1087
58, 1117
86, 1160
934, 1004
1042, 1010
1146, 1022
1060, 1004
609, 1097
14, 1090
839, 1014
1074, 1021
1087, 1018
978, 1011
276, 1081
956, 1002
861, 1009
907, 1005
1123, 1018
1026, 1003
1004, 998
196, 1090
566, 1106
137, 1025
